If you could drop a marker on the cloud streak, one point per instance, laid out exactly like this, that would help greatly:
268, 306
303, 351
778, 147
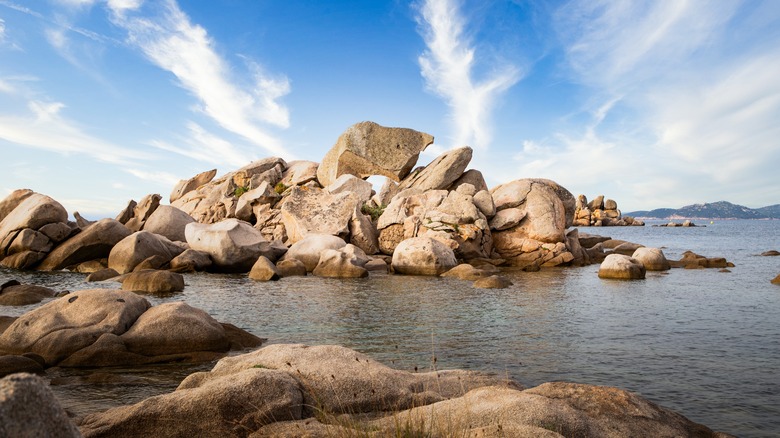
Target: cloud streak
447, 65
169, 40
681, 94
45, 128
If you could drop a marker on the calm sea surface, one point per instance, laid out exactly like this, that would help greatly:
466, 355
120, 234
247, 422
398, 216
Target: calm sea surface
701, 342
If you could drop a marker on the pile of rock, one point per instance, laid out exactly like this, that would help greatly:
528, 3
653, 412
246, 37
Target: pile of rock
424, 220
686, 223
600, 212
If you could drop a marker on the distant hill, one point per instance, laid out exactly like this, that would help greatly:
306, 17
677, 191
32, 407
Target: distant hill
714, 210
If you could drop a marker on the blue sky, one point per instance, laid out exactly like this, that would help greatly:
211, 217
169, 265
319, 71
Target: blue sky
652, 103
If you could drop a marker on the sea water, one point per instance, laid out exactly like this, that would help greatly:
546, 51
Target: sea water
701, 342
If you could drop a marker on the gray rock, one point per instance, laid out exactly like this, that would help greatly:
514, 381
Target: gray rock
139, 246
441, 172
315, 211
33, 212
299, 172
127, 213
187, 185
350, 183
233, 245
169, 222
29, 409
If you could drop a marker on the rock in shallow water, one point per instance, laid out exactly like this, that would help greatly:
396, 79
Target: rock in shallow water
621, 267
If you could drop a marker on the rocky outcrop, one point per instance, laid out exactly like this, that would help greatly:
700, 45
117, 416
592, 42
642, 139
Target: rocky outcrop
233, 245
29, 409
187, 185
621, 267
105, 327
423, 256
22, 245
139, 246
297, 390
315, 211
601, 212
451, 217
367, 148
145, 207
218, 199
95, 242
691, 260
530, 223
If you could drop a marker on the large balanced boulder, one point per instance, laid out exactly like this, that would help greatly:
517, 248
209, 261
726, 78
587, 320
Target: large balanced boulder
95, 242
621, 267
28, 408
233, 245
423, 256
140, 246
367, 148
168, 221
311, 210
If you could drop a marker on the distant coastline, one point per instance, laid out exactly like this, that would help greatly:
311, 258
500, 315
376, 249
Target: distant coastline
721, 210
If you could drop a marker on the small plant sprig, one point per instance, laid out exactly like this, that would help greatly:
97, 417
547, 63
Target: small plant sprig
240, 191
280, 187
373, 211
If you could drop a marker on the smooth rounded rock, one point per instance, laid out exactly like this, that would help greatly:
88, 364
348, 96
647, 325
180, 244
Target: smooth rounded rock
653, 259
153, 281
423, 256
308, 249
621, 267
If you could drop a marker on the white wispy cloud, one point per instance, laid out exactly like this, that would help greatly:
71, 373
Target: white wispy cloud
683, 102
448, 69
45, 128
159, 177
171, 41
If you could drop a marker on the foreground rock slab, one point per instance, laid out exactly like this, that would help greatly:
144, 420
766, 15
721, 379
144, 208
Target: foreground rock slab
328, 390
